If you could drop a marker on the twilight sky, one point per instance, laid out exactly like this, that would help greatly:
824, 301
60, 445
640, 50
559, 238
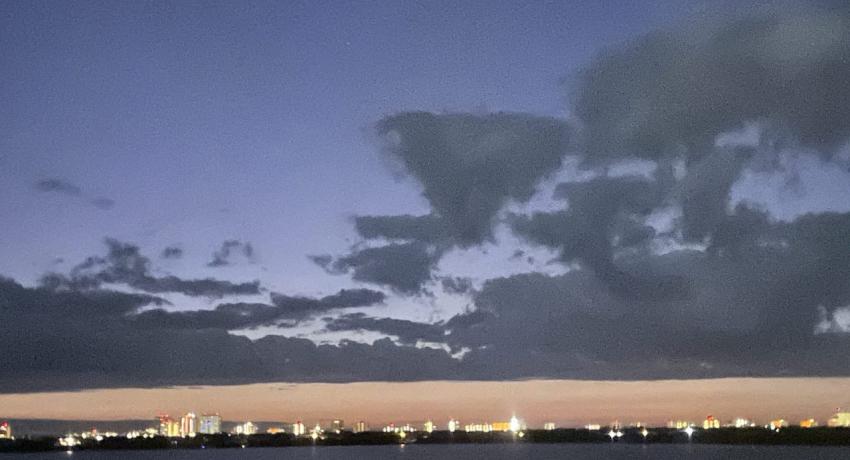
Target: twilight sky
241, 193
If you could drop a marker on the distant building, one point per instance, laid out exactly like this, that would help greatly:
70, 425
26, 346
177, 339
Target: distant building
210, 424
710, 423
298, 429
839, 420
275, 430
406, 428
453, 425
549, 426
6, 431
777, 424
679, 424
361, 427
478, 428
168, 427
337, 426
742, 423
808, 423
189, 425
514, 425
246, 428
500, 426
428, 427
593, 427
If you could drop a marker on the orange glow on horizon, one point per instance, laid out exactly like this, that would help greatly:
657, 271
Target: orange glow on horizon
567, 402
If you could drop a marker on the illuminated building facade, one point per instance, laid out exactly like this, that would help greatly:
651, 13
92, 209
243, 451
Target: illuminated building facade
679, 424
298, 429
210, 424
168, 427
428, 427
777, 424
453, 425
360, 427
500, 426
710, 423
548, 426
406, 428
839, 420
246, 428
808, 423
742, 423
6, 431
189, 425
337, 426
478, 428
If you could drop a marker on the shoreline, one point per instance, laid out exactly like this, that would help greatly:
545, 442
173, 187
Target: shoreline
792, 436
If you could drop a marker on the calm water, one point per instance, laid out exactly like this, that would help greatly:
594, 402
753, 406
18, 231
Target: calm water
465, 452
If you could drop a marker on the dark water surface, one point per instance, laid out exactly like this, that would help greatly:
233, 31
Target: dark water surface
469, 451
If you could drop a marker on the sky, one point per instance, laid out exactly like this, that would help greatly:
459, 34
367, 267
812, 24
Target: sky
200, 193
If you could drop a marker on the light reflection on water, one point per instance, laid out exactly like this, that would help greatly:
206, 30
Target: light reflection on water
467, 452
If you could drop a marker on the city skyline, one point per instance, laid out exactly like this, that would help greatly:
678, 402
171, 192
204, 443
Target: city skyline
566, 403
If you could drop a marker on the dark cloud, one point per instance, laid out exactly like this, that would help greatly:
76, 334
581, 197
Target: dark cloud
407, 332
751, 311
63, 187
470, 165
748, 311
456, 285
605, 216
124, 264
58, 186
428, 229
233, 316
172, 252
299, 307
73, 339
673, 92
228, 250
405, 267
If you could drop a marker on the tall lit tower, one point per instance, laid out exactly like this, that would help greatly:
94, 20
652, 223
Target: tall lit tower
514, 425
189, 425
5, 430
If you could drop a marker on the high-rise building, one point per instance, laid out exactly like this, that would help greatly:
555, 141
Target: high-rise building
210, 424
515, 425
189, 425
298, 429
710, 423
428, 427
360, 427
5, 431
337, 426
549, 426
